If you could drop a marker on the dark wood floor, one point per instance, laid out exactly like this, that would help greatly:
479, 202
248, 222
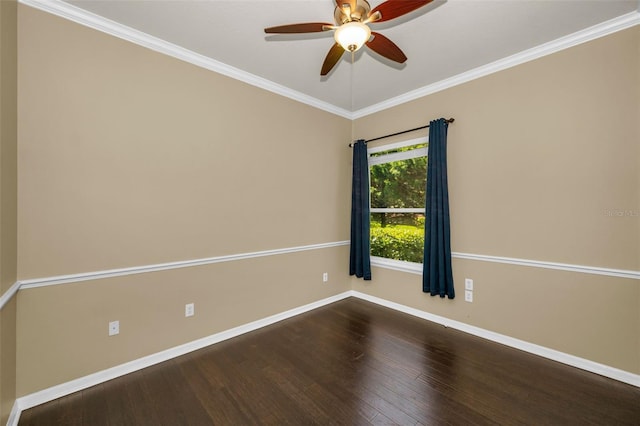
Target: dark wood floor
350, 363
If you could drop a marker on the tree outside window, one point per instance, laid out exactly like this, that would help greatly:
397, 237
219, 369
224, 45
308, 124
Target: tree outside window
398, 176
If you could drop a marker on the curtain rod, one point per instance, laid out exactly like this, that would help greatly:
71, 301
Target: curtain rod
451, 120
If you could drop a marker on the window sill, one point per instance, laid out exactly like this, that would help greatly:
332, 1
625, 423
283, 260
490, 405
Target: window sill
397, 265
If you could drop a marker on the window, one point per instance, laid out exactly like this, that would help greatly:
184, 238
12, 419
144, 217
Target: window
398, 174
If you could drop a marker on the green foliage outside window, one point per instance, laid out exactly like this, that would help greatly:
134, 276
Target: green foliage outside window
398, 184
397, 242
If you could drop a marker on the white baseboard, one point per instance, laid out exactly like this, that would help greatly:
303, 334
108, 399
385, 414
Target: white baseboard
63, 389
574, 361
14, 416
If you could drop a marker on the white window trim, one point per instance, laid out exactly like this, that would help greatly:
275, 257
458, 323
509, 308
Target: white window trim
398, 156
389, 147
398, 210
383, 262
397, 265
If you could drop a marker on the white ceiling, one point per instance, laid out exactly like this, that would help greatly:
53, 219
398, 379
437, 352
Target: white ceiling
444, 41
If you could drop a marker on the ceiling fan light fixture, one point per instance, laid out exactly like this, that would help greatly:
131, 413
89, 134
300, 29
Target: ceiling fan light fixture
352, 35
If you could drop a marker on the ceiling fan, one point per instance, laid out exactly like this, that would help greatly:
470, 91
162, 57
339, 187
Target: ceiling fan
352, 30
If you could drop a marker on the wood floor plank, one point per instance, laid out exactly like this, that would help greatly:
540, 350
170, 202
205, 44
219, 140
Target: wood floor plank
213, 396
350, 363
331, 376
138, 401
68, 409
171, 396
94, 406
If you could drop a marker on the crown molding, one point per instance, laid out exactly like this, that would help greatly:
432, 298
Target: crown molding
88, 19
600, 30
99, 23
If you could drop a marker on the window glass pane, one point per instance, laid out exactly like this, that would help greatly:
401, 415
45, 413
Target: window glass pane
403, 149
399, 184
398, 236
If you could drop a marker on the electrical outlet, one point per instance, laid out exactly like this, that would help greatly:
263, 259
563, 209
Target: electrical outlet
114, 328
325, 277
468, 296
468, 284
189, 310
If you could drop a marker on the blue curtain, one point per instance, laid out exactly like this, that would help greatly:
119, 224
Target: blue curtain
437, 276
360, 258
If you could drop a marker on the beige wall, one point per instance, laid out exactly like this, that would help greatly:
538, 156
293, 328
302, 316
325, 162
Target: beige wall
68, 322
8, 189
128, 158
538, 155
638, 177
8, 358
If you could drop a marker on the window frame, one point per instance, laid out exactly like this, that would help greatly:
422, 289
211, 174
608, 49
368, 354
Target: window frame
398, 265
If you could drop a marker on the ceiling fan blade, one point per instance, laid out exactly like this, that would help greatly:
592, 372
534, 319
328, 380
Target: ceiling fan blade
334, 55
310, 27
392, 9
385, 47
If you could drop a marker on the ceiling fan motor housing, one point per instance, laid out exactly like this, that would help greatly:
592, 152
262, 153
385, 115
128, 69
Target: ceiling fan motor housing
346, 13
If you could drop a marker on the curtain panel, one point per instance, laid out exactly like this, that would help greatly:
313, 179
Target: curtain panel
360, 255
437, 276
